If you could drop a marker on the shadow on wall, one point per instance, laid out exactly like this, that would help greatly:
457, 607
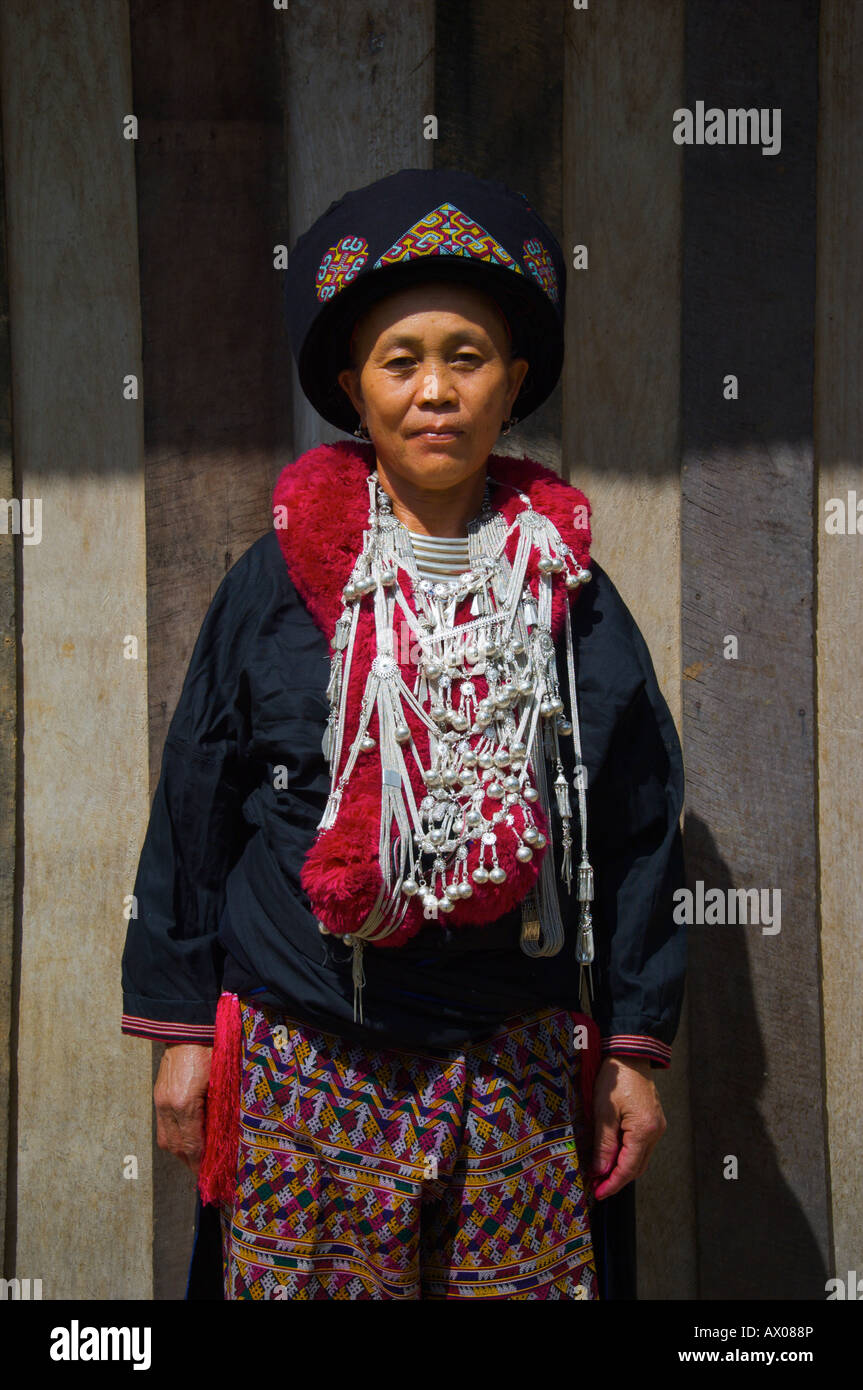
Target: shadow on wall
762, 1244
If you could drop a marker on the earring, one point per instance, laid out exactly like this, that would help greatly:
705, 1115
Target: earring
362, 433
508, 424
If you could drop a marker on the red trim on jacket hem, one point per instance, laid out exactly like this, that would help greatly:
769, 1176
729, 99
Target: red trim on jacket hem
637, 1045
202, 1033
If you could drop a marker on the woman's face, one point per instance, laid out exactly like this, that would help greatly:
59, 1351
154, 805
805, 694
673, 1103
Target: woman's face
433, 382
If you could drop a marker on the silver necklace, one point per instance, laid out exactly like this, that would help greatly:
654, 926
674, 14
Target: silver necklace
487, 752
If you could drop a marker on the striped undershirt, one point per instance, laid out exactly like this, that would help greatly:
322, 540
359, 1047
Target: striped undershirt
440, 557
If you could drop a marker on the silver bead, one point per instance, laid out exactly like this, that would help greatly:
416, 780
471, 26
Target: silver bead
557, 704
410, 887
511, 783
584, 577
545, 565
518, 751
530, 794
526, 686
458, 721
501, 758
468, 777
431, 778
546, 709
530, 835
564, 728
471, 655
473, 819
495, 791
437, 836
497, 875
433, 669
468, 758
367, 744
524, 854
388, 577
445, 904
402, 733
572, 581
350, 592
489, 649
324, 931
541, 841
557, 564
501, 700
449, 777
485, 761
465, 890
480, 875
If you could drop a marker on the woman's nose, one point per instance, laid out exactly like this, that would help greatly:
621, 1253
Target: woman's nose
436, 383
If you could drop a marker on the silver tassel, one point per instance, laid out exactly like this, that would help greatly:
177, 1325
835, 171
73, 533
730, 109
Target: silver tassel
562, 793
358, 976
530, 924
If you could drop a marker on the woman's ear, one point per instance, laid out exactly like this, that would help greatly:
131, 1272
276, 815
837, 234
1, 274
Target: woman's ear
517, 371
349, 380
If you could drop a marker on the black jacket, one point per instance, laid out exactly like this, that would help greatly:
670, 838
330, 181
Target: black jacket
218, 898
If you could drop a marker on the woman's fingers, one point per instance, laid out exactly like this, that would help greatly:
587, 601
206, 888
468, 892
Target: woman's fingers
180, 1096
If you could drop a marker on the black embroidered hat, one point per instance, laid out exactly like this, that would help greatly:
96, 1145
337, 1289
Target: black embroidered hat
419, 225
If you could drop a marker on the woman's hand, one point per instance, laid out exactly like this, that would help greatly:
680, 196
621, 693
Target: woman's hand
180, 1094
628, 1123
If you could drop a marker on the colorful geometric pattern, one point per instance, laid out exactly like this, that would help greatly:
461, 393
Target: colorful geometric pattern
540, 265
375, 1174
447, 231
340, 265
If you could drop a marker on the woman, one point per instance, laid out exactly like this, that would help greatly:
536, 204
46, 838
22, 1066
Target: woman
417, 818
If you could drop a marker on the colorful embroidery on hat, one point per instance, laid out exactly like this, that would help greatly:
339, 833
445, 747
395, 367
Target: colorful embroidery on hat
447, 231
340, 265
539, 264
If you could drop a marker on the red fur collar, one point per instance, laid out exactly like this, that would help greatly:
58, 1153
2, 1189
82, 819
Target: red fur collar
325, 494
327, 498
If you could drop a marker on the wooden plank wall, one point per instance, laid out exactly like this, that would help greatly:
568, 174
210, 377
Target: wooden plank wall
622, 201
10, 628
83, 1222
838, 448
749, 723
212, 205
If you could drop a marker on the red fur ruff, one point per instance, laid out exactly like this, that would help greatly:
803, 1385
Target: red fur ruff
321, 508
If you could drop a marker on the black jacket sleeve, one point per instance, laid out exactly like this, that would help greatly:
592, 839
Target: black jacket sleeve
172, 962
635, 779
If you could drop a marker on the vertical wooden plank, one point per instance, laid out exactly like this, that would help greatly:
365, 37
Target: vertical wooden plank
354, 112
10, 588
748, 495
622, 201
83, 1223
211, 207
499, 102
838, 435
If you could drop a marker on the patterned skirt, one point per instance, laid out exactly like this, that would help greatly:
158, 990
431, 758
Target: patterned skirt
374, 1174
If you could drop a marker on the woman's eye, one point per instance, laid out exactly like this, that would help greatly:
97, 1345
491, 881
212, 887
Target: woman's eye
400, 362
470, 357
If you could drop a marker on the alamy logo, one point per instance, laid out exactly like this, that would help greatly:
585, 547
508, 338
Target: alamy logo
23, 517
77, 1343
738, 126
20, 1289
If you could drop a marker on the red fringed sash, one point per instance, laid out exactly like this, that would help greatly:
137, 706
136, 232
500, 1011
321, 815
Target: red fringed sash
218, 1176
